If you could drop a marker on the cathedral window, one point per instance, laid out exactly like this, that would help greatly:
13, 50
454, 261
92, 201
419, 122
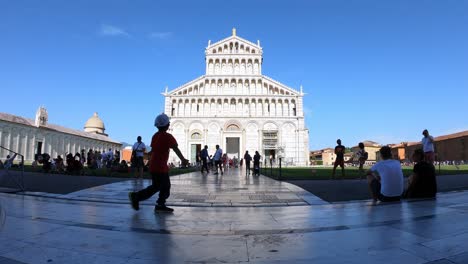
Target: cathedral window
294, 111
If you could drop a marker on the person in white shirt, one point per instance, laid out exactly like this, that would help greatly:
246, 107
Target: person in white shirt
385, 178
138, 152
217, 159
428, 147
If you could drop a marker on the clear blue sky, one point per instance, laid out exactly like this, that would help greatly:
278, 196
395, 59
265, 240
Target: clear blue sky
372, 70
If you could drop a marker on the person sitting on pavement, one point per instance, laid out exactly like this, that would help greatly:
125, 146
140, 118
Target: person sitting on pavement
422, 184
385, 178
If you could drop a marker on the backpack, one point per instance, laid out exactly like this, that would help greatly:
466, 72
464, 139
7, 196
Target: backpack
365, 156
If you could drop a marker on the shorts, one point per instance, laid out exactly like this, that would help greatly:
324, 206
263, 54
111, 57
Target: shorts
139, 162
339, 162
375, 186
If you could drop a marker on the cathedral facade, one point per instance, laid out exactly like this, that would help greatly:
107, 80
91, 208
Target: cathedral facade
233, 105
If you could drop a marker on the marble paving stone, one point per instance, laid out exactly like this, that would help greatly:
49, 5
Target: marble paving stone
4, 260
9, 244
40, 254
440, 261
460, 258
454, 245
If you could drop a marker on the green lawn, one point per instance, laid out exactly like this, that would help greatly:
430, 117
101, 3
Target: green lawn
324, 173
103, 172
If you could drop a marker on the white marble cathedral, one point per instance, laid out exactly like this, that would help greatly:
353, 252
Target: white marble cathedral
237, 107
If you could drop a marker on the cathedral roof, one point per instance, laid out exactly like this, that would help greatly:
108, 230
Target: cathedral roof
95, 122
31, 123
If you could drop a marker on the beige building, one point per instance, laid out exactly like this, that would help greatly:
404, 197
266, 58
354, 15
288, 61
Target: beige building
452, 147
371, 148
35, 136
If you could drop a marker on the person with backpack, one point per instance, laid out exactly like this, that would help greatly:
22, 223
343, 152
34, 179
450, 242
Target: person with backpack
138, 151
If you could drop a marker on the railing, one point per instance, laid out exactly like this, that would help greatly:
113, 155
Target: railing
18, 181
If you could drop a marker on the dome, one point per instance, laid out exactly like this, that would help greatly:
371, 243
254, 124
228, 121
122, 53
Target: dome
95, 124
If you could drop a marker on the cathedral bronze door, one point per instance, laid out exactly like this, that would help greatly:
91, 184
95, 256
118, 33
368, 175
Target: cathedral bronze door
233, 147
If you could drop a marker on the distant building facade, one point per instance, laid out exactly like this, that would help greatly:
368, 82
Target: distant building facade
233, 105
452, 147
371, 148
30, 137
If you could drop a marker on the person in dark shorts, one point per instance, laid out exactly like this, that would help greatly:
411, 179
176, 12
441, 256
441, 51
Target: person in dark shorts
423, 183
161, 143
385, 178
339, 152
204, 159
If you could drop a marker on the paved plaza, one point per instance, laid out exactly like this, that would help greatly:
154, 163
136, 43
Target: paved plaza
230, 219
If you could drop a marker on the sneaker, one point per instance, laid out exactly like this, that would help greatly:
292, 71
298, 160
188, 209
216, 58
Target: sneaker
163, 209
133, 201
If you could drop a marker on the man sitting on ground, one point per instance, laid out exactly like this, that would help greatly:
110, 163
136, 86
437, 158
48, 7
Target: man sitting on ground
385, 178
422, 184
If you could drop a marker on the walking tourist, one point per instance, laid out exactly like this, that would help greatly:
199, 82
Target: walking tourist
247, 159
256, 160
204, 157
161, 143
385, 178
217, 159
339, 152
138, 151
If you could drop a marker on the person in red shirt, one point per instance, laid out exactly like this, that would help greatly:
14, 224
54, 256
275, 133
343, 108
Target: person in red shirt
161, 143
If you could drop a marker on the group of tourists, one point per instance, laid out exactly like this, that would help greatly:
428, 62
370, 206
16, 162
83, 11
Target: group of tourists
221, 162
385, 178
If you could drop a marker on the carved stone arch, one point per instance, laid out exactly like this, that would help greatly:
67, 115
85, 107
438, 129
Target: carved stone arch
242, 47
223, 61
270, 125
195, 125
232, 125
220, 49
253, 51
249, 61
247, 49
180, 101
214, 128
243, 61
187, 101
213, 51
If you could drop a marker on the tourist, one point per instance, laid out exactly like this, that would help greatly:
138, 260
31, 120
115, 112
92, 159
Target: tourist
138, 151
339, 152
385, 178
247, 159
217, 159
204, 157
422, 184
361, 155
161, 143
97, 158
428, 146
224, 161
9, 161
256, 160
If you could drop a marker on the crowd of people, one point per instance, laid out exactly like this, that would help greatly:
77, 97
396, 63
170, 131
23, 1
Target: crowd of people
219, 162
